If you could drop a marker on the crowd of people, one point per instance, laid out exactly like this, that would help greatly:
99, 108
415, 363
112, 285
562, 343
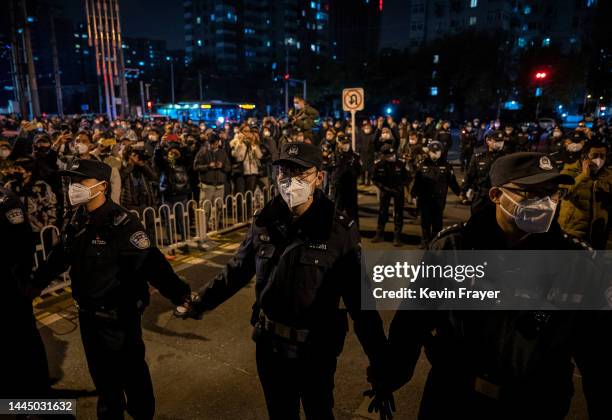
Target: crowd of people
162, 161
535, 187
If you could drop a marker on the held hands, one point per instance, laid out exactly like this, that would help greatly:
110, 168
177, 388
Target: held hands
188, 308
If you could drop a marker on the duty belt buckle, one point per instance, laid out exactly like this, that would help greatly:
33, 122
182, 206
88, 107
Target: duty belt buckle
487, 388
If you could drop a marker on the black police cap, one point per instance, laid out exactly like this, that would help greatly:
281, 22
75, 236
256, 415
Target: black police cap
88, 169
577, 136
526, 168
302, 154
494, 135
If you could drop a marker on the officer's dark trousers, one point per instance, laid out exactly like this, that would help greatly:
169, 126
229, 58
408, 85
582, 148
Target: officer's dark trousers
452, 395
24, 372
432, 212
464, 157
115, 356
398, 210
286, 382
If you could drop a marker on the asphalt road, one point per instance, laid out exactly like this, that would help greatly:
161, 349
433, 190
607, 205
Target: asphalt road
206, 369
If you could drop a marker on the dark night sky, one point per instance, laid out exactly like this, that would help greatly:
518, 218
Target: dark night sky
163, 19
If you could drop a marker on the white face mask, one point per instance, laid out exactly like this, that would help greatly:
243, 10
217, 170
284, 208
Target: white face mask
435, 155
599, 162
80, 194
385, 136
82, 148
574, 147
4, 153
412, 141
295, 191
532, 215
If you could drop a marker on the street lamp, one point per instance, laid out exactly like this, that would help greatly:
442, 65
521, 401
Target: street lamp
168, 58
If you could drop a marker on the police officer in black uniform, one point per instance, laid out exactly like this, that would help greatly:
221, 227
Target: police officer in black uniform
509, 364
390, 176
434, 175
345, 170
25, 373
111, 265
569, 149
477, 176
305, 256
467, 142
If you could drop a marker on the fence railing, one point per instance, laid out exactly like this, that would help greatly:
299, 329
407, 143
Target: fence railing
171, 226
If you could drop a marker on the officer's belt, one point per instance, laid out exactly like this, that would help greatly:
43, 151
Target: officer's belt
98, 311
282, 330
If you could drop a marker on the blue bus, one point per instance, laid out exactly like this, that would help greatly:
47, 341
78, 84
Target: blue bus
211, 112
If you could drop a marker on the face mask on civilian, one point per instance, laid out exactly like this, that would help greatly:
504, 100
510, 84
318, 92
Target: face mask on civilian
533, 215
385, 136
4, 153
80, 194
82, 148
295, 191
367, 130
574, 147
266, 133
599, 162
412, 140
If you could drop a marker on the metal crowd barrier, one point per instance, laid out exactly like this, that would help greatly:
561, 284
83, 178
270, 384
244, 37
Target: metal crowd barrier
177, 225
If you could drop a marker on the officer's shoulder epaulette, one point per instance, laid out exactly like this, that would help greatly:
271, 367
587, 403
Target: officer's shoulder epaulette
449, 230
579, 244
121, 218
344, 220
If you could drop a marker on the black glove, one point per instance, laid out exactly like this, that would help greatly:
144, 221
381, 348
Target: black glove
382, 403
188, 309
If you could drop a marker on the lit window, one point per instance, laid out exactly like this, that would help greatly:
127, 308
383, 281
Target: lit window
473, 3
546, 42
268, 44
313, 5
436, 58
141, 63
527, 9
77, 46
472, 20
433, 91
313, 47
522, 42
212, 17
198, 20
199, 42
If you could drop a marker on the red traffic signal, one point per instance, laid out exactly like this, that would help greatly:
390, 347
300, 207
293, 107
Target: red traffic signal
286, 76
149, 104
541, 75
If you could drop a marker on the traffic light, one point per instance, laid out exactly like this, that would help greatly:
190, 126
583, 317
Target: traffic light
541, 75
149, 105
286, 76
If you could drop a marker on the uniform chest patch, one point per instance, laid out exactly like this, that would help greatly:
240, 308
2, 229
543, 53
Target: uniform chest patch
98, 241
140, 240
263, 237
15, 216
320, 246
